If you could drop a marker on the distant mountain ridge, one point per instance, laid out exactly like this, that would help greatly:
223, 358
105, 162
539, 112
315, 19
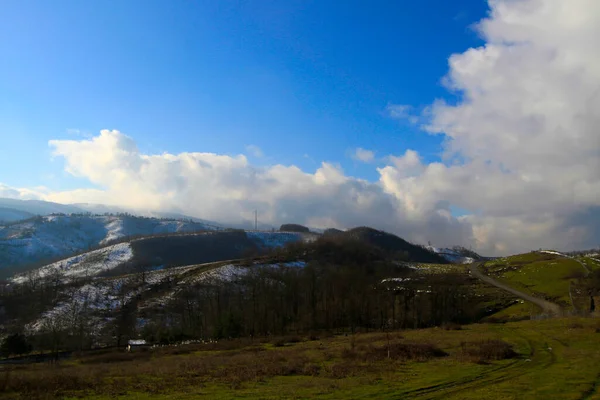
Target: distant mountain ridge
8, 215
39, 207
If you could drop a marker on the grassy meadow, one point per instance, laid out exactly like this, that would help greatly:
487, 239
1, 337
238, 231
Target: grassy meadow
543, 275
555, 358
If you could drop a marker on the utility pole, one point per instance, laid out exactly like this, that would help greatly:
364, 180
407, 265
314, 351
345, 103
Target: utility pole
256, 220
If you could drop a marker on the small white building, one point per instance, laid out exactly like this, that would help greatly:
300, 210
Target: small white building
137, 343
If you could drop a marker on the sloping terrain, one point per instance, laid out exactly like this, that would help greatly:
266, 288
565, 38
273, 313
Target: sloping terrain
11, 215
393, 244
56, 236
168, 282
544, 274
546, 306
86, 265
455, 255
160, 252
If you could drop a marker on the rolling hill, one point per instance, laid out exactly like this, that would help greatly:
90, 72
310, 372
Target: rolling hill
57, 236
8, 215
546, 274
393, 244
145, 254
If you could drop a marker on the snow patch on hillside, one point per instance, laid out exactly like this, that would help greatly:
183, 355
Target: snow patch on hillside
451, 255
86, 265
55, 236
225, 273
290, 264
87, 304
553, 252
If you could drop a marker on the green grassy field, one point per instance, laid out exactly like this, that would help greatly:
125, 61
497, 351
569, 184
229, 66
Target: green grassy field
592, 263
555, 358
543, 275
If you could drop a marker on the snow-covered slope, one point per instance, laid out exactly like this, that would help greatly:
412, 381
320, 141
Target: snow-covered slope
452, 255
89, 264
58, 236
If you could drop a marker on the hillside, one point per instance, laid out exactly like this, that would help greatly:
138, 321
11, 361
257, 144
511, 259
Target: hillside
55, 236
348, 283
392, 244
548, 275
11, 215
161, 252
456, 255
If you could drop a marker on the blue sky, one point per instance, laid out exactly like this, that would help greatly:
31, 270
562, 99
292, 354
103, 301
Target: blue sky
305, 81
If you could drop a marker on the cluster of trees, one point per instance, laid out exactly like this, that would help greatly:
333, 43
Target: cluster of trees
293, 228
346, 284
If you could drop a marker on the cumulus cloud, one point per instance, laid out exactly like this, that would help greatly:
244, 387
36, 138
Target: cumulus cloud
521, 152
363, 155
21, 193
227, 189
526, 129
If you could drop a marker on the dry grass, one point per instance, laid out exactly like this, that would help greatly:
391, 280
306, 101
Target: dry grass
233, 363
487, 350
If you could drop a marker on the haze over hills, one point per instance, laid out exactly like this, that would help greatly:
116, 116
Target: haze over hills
29, 208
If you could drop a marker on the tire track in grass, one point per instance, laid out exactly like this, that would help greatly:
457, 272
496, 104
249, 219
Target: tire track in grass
593, 390
530, 367
511, 370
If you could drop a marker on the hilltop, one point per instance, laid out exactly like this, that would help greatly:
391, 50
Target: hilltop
393, 244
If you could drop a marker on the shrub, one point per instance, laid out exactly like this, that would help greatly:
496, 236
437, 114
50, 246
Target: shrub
15, 344
487, 350
405, 351
576, 325
452, 326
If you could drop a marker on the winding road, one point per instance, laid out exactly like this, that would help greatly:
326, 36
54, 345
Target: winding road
547, 306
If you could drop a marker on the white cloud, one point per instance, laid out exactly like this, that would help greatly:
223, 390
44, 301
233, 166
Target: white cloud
527, 128
228, 189
21, 193
402, 112
363, 155
255, 151
521, 151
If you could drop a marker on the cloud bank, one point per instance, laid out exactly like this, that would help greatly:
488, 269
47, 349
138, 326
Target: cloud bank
521, 152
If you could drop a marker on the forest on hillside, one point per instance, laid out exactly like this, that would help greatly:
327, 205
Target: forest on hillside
342, 284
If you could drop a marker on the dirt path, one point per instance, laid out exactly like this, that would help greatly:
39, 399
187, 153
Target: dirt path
547, 306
